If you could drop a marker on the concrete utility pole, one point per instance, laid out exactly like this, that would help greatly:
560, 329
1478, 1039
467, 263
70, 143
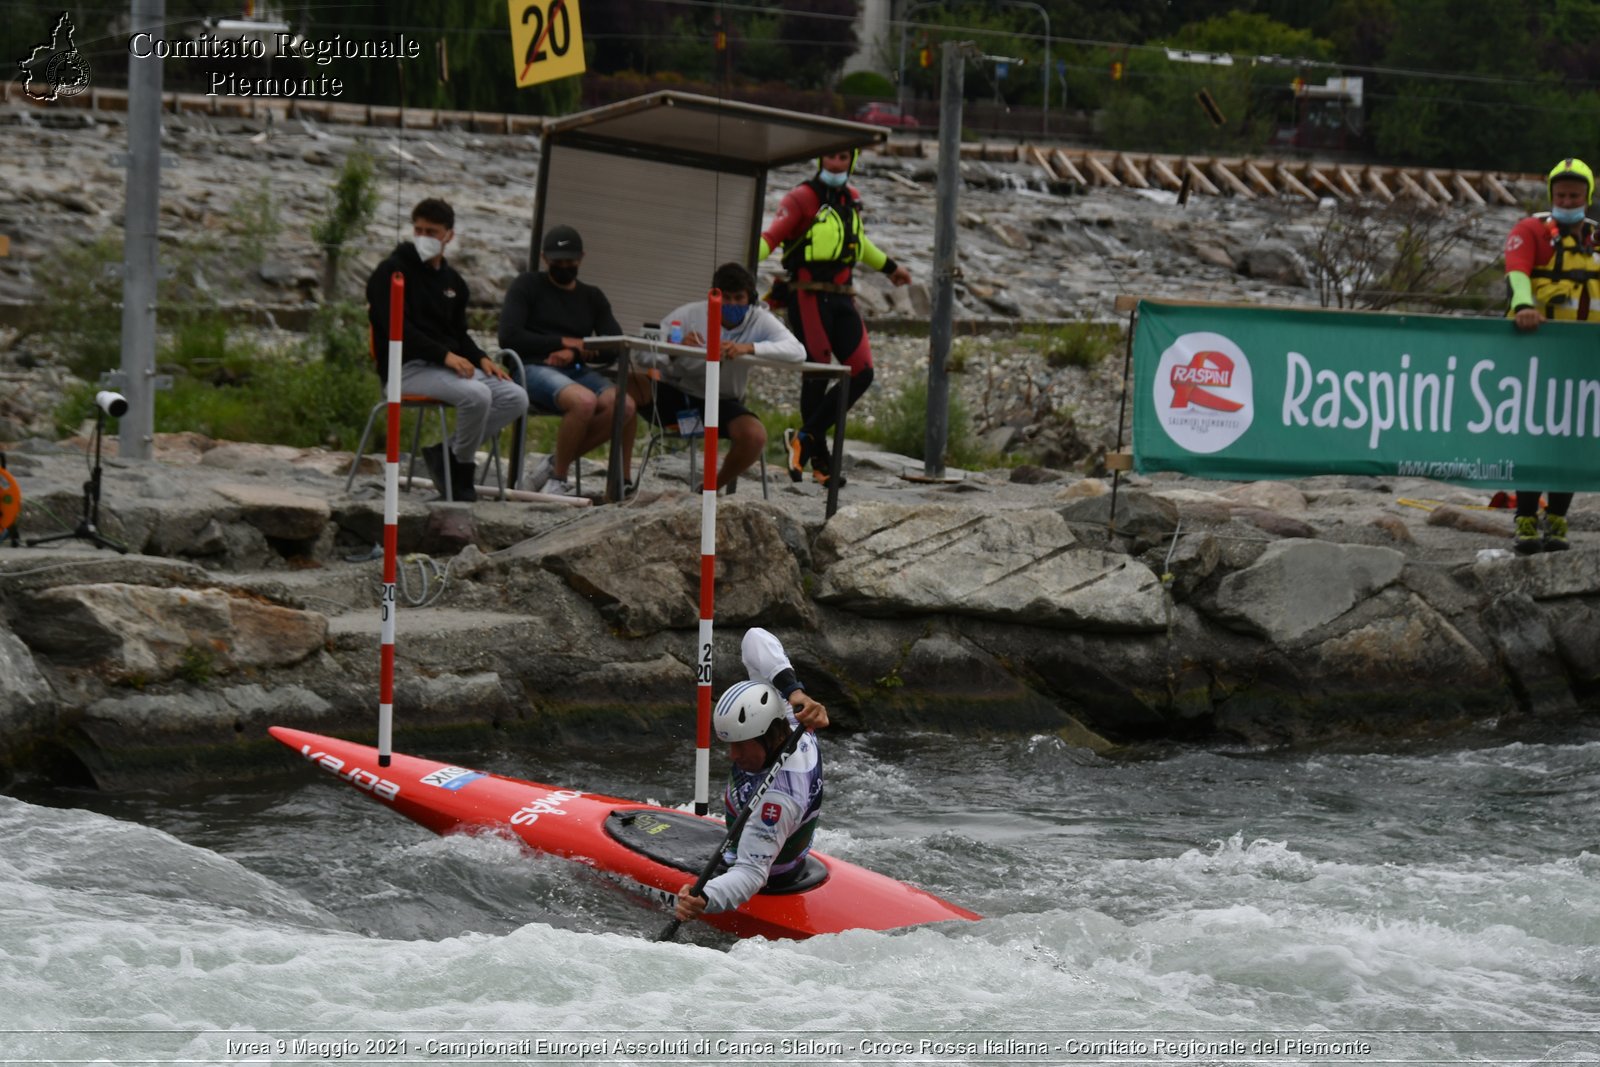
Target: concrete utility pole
944, 259
139, 247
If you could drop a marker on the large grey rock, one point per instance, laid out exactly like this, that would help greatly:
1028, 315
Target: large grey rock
26, 700
1522, 636
1019, 566
139, 631
1144, 517
1397, 642
641, 569
279, 513
1298, 585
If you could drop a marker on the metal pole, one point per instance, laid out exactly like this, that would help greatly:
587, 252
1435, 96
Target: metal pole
1046, 122
944, 259
141, 216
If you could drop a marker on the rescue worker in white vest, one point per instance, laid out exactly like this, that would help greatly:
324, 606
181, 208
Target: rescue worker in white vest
755, 718
1553, 269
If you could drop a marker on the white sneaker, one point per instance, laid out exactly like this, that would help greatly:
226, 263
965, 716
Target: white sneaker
557, 487
533, 478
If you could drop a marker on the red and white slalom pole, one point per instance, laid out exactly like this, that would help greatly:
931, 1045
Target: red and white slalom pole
391, 518
708, 552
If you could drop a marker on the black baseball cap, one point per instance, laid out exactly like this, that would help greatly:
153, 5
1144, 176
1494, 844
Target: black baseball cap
562, 242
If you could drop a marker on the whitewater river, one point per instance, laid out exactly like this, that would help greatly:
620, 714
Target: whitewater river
1428, 905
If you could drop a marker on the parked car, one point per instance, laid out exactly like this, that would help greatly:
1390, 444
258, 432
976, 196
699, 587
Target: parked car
879, 114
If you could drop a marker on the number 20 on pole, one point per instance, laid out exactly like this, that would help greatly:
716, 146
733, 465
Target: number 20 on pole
546, 40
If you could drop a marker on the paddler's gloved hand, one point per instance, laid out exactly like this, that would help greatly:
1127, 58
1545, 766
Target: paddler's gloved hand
689, 906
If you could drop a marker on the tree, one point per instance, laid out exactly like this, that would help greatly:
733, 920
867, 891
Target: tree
1501, 111
352, 202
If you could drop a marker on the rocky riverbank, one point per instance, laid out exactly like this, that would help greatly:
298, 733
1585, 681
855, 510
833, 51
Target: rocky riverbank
1332, 608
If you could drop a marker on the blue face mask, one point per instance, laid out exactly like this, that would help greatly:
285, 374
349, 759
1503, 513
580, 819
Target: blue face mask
833, 178
733, 314
1567, 215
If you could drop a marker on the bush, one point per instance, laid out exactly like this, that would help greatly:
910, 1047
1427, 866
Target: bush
80, 305
1079, 344
867, 83
901, 426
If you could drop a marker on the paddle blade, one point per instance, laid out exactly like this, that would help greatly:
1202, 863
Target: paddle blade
669, 931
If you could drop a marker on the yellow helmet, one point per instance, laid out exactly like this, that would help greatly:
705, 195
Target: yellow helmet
1575, 169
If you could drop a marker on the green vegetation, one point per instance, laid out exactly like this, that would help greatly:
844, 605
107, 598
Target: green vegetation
351, 204
901, 426
867, 83
1079, 344
255, 223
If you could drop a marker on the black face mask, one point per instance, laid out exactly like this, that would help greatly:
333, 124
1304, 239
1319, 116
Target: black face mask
563, 275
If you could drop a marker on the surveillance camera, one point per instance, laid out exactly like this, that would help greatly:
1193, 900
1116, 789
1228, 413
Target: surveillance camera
113, 404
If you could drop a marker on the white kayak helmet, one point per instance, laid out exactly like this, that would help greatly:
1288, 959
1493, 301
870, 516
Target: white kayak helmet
746, 710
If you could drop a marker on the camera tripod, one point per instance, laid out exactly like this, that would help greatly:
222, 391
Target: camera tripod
88, 528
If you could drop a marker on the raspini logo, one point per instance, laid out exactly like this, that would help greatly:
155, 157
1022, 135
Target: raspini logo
55, 68
1203, 393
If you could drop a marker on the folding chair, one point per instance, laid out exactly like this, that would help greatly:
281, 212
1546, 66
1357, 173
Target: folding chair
662, 433
421, 403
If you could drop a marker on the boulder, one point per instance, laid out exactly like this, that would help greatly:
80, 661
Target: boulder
1488, 523
641, 569
1527, 647
135, 631
1272, 496
278, 513
1143, 517
1273, 261
26, 700
1298, 585
1019, 566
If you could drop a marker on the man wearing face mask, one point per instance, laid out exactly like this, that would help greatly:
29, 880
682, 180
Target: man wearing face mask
818, 226
544, 320
748, 329
439, 357
1553, 270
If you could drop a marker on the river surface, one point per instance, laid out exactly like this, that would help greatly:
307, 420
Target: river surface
1437, 904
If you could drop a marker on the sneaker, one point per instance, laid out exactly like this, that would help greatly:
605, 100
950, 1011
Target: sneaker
794, 454
1555, 533
1526, 542
557, 487
822, 471
533, 478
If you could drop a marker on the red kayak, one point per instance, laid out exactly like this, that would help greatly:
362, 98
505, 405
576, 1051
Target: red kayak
651, 849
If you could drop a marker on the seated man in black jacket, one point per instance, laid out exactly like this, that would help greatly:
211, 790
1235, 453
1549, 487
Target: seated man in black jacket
439, 358
544, 320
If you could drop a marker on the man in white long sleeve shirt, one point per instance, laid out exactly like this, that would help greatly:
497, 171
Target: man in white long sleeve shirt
748, 329
755, 718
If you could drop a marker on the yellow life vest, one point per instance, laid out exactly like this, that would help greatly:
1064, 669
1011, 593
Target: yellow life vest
1567, 285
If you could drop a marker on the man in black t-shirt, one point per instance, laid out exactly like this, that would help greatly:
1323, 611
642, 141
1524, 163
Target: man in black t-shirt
544, 320
440, 359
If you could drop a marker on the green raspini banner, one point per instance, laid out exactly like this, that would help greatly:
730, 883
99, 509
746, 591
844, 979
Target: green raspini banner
1248, 393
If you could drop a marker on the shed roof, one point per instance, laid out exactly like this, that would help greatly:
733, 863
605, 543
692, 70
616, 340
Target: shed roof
727, 134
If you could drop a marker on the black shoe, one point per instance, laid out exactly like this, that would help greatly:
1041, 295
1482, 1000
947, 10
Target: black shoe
462, 476
433, 457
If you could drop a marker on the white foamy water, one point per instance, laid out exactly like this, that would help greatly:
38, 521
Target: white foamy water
1425, 907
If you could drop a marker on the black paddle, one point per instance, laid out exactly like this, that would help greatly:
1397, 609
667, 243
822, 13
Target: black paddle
670, 931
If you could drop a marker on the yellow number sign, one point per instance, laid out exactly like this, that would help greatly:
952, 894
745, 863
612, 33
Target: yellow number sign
546, 40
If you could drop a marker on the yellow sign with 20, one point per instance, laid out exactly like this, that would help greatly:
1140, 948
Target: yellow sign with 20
546, 40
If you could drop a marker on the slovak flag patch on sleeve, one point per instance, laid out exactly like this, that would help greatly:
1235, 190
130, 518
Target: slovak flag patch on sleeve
770, 813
